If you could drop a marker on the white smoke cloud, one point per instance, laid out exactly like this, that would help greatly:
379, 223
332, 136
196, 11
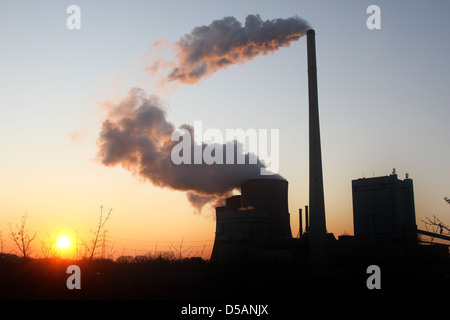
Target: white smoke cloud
225, 42
137, 136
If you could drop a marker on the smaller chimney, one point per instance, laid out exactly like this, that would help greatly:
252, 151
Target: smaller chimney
300, 231
306, 219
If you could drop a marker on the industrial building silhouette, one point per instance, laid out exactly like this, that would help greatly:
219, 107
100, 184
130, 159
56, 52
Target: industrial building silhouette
249, 223
256, 224
383, 208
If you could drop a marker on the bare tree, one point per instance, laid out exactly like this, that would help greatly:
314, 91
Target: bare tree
110, 252
203, 249
1, 243
48, 248
180, 250
98, 233
436, 224
21, 237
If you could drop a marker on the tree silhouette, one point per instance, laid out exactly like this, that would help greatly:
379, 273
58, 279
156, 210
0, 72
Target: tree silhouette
437, 225
48, 248
98, 233
21, 237
180, 251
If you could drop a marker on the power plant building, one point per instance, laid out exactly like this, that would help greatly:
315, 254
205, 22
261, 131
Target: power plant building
256, 224
248, 224
268, 198
240, 234
383, 208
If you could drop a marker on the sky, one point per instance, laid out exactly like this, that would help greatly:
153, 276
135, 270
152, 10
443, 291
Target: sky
383, 103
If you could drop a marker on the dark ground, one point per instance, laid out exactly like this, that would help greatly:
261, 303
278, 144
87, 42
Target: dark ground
196, 279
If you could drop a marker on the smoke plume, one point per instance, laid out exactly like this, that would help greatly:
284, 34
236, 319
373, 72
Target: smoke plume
226, 42
137, 136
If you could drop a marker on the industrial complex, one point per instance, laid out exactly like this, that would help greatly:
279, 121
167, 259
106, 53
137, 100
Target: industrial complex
256, 224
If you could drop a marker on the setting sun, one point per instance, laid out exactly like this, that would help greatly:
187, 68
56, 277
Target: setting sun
63, 242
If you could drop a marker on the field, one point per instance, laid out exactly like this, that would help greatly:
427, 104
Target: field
196, 279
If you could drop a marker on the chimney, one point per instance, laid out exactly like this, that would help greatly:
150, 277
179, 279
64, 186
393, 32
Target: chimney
317, 225
300, 226
306, 219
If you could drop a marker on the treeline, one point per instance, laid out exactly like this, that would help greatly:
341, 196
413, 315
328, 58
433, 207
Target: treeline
46, 278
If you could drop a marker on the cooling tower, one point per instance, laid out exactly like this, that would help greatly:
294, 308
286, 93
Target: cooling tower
270, 195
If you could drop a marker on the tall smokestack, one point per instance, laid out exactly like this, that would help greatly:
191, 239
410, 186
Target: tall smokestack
317, 225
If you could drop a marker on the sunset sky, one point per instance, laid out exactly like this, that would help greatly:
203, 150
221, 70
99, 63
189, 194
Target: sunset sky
383, 102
